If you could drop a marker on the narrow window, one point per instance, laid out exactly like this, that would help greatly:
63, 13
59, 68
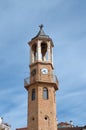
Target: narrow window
33, 94
45, 93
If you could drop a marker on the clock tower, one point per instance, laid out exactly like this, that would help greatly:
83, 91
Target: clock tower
42, 84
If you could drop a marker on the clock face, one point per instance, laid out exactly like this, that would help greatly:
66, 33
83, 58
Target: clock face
44, 71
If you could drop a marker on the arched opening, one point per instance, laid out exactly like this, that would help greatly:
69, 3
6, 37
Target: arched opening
44, 51
45, 93
34, 52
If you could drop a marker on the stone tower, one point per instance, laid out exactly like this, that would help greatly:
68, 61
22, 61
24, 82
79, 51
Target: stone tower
42, 84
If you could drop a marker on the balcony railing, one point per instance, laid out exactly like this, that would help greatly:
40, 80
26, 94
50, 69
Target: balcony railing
41, 78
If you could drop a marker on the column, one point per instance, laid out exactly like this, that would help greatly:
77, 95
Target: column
49, 52
31, 55
44, 58
39, 50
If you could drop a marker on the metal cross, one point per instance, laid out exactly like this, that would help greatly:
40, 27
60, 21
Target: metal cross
41, 26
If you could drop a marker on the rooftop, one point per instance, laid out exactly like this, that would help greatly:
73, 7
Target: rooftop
41, 33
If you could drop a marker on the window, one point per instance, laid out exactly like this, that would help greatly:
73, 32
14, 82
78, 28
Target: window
33, 118
33, 72
45, 93
46, 118
33, 94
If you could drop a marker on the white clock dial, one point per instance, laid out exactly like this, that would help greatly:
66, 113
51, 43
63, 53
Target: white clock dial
44, 71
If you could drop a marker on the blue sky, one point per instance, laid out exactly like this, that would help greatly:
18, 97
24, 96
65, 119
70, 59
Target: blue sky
65, 22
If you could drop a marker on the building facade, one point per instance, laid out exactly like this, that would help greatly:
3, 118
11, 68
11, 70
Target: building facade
42, 84
4, 126
65, 125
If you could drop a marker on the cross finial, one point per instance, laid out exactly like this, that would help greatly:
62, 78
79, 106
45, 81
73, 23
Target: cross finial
41, 26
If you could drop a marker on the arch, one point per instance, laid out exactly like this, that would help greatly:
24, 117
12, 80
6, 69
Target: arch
45, 93
44, 51
34, 51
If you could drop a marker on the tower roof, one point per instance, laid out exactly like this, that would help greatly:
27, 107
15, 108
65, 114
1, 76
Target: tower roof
41, 33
